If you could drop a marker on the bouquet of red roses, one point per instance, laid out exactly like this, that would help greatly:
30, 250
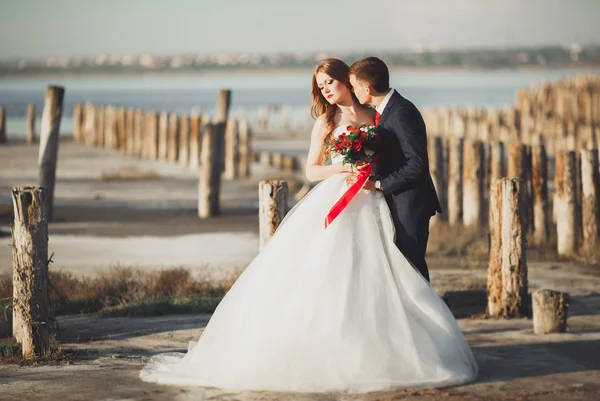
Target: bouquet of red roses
360, 143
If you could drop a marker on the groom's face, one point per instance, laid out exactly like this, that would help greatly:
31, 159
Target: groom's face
360, 89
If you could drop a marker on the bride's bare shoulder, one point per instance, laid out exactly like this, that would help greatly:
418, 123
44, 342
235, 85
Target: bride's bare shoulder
320, 127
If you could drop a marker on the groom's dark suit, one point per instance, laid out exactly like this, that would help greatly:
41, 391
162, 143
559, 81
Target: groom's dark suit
405, 178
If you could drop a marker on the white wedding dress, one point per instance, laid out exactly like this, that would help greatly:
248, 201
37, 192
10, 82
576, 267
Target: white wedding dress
319, 310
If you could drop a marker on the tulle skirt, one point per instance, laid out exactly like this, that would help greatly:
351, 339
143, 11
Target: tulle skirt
326, 309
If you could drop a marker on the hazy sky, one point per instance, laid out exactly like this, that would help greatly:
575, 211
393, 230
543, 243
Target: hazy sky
30, 28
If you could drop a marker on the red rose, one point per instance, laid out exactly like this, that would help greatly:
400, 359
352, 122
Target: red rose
357, 146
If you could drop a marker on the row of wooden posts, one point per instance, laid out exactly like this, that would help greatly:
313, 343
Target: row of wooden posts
463, 172
164, 136
220, 147
571, 100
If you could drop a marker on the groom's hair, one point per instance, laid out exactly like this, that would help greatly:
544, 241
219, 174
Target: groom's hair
373, 72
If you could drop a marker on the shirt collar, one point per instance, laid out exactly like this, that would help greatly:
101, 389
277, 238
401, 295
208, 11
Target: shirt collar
385, 101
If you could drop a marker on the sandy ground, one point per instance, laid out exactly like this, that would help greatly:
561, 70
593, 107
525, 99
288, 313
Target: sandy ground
147, 218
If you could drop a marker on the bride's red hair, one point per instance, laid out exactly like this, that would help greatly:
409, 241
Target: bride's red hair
337, 70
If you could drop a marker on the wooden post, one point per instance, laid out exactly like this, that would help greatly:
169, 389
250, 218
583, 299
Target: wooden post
497, 162
90, 125
223, 104
129, 130
438, 174
121, 127
163, 136
173, 142
195, 137
2, 126
590, 196
494, 283
210, 176
550, 310
514, 263
184, 139
152, 135
273, 207
231, 151
30, 269
109, 127
455, 168
473, 183
265, 158
31, 123
49, 133
539, 183
566, 203
244, 148
519, 162
138, 132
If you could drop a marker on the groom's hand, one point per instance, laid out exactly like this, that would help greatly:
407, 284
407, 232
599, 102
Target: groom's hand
351, 178
369, 185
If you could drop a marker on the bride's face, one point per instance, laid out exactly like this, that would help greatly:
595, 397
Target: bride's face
332, 90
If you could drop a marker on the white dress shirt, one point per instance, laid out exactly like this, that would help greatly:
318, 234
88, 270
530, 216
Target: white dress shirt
385, 101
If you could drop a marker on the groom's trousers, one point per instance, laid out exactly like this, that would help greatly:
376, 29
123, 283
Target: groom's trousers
411, 239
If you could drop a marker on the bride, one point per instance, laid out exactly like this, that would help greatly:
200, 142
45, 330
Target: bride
327, 309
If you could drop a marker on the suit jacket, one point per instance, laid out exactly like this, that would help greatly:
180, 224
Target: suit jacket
404, 162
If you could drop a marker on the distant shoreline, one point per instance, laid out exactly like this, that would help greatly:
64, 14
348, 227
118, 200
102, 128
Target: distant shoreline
263, 71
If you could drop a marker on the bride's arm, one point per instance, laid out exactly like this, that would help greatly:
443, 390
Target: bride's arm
315, 171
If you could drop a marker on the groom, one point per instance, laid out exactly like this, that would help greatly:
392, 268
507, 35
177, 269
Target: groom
404, 174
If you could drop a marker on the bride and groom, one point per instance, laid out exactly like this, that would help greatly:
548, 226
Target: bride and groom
347, 307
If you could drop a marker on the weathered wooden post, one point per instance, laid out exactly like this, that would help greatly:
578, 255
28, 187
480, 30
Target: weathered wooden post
163, 136
244, 148
173, 142
519, 162
195, 137
31, 124
3, 138
184, 139
30, 269
265, 158
590, 188
550, 310
566, 203
438, 174
152, 135
231, 151
49, 133
494, 283
129, 130
273, 207
138, 132
90, 125
210, 176
223, 104
473, 183
539, 183
121, 127
455, 183
513, 236
109, 127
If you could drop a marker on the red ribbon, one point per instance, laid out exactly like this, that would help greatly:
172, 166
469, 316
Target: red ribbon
341, 204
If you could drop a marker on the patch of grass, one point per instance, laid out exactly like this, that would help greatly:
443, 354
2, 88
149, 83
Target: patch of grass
11, 353
126, 291
447, 241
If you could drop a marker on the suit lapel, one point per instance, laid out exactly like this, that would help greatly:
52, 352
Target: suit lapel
386, 112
